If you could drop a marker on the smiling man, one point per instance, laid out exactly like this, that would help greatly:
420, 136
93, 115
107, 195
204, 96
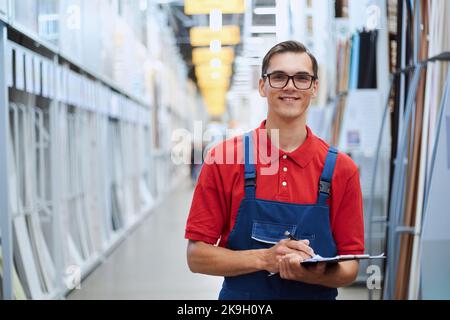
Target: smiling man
240, 215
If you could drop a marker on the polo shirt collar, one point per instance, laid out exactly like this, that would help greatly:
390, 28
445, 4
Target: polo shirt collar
302, 155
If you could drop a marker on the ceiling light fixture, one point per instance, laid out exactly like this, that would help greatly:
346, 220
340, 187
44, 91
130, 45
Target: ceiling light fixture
215, 20
265, 10
215, 45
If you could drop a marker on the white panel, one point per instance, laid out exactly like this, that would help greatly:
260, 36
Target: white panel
19, 292
62, 84
361, 122
29, 72
37, 74
71, 87
77, 97
114, 108
45, 80
87, 94
26, 255
43, 254
51, 79
357, 14
9, 69
20, 81
58, 83
74, 255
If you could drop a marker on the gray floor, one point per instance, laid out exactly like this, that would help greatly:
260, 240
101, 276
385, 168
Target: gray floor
151, 262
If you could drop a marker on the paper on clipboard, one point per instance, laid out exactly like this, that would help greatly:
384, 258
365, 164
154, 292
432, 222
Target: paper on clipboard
317, 258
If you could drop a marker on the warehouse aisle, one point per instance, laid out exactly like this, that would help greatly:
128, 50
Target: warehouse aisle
151, 263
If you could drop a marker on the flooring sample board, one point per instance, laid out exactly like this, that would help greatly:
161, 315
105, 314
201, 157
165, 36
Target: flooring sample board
18, 291
35, 249
337, 118
367, 77
412, 174
79, 227
328, 121
435, 255
24, 258
447, 121
439, 42
116, 208
43, 256
414, 188
362, 121
23, 252
32, 147
354, 66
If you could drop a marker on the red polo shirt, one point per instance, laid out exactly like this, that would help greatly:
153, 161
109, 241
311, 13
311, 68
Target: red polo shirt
288, 177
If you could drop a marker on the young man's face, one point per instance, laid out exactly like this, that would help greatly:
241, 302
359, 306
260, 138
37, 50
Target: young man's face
289, 102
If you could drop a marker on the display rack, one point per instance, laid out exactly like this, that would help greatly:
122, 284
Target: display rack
79, 171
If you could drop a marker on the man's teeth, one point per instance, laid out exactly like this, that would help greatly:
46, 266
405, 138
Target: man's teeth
289, 98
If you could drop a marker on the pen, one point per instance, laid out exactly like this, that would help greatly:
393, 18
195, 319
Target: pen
290, 236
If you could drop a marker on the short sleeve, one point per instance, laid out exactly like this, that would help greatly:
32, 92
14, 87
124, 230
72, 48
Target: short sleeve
348, 228
209, 207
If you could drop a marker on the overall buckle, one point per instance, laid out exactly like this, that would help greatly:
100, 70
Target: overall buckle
250, 182
324, 187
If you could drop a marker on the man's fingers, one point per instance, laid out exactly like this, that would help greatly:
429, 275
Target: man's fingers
284, 268
285, 251
320, 268
294, 258
301, 246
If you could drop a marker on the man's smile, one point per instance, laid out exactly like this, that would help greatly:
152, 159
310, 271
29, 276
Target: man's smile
289, 98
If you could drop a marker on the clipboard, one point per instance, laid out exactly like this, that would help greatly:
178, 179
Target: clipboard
347, 257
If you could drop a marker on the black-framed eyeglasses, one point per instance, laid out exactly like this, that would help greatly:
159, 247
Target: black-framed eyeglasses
279, 80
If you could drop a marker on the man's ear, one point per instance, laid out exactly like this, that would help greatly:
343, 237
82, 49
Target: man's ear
315, 88
261, 88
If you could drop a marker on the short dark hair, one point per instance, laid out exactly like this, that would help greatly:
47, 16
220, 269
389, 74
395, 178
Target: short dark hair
288, 46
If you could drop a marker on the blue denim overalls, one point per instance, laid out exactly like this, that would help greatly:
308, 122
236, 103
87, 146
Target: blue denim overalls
262, 223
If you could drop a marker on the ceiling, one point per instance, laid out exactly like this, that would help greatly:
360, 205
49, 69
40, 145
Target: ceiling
182, 23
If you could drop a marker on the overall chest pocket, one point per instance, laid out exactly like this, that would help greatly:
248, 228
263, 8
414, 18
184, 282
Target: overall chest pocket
266, 234
270, 232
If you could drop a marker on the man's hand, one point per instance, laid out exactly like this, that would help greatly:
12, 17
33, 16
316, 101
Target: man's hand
292, 269
275, 254
334, 276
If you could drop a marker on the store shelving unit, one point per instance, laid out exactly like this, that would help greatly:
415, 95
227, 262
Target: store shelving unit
79, 169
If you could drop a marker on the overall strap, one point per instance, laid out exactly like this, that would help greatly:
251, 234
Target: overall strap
327, 174
249, 165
